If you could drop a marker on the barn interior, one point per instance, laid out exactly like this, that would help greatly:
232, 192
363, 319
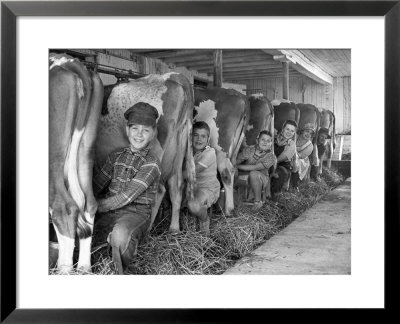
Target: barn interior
321, 77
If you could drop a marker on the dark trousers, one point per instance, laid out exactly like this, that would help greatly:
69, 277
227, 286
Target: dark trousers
295, 179
129, 225
277, 183
314, 172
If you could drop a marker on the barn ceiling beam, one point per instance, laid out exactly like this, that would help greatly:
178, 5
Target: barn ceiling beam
164, 54
260, 77
243, 69
252, 76
285, 80
301, 63
208, 57
252, 71
227, 60
174, 53
226, 53
217, 79
255, 73
248, 65
146, 50
242, 52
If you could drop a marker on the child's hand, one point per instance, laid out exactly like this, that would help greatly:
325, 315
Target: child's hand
101, 207
275, 175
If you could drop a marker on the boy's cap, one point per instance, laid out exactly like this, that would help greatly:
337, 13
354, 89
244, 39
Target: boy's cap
142, 113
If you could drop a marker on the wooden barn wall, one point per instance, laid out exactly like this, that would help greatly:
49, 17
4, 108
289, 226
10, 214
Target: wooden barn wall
342, 104
335, 97
123, 59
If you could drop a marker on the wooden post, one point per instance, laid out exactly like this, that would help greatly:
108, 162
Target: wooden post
285, 80
341, 147
218, 68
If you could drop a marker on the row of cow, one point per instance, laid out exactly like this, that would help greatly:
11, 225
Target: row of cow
87, 123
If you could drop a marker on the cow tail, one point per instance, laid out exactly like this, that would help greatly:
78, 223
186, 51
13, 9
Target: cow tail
238, 138
317, 126
189, 161
314, 154
297, 114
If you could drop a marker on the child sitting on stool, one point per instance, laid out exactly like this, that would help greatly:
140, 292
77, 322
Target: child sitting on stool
304, 148
132, 175
285, 151
207, 187
258, 159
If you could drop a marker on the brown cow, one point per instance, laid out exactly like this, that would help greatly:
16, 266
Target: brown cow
226, 112
309, 120
261, 118
172, 95
284, 110
309, 114
75, 97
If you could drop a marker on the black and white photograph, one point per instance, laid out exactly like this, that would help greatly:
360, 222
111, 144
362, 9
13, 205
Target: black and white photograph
173, 158
200, 161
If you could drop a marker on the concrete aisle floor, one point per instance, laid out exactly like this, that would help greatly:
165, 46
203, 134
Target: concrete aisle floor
317, 242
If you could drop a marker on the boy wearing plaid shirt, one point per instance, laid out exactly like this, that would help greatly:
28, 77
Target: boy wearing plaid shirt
132, 175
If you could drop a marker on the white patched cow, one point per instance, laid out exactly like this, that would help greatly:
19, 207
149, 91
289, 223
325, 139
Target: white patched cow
172, 95
226, 112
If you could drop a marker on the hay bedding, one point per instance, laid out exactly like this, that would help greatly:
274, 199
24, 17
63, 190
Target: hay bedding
231, 238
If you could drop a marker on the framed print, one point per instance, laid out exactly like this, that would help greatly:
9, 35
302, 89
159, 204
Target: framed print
30, 29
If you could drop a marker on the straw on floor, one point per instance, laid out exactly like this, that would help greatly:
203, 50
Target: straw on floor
231, 237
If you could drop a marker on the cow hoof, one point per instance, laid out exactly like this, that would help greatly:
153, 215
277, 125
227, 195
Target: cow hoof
64, 270
84, 270
173, 232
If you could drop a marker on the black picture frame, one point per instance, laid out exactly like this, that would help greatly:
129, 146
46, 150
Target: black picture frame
9, 13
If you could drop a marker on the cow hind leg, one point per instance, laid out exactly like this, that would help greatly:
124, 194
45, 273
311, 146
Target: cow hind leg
66, 244
227, 179
175, 181
175, 184
330, 154
85, 173
175, 191
157, 202
84, 263
63, 100
321, 164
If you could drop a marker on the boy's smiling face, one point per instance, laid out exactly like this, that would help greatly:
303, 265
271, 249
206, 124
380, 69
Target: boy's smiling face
139, 136
289, 131
199, 139
264, 142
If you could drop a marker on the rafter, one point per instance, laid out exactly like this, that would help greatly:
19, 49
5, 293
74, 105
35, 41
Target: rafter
301, 63
257, 64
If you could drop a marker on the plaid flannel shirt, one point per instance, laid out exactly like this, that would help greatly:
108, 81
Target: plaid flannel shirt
130, 176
